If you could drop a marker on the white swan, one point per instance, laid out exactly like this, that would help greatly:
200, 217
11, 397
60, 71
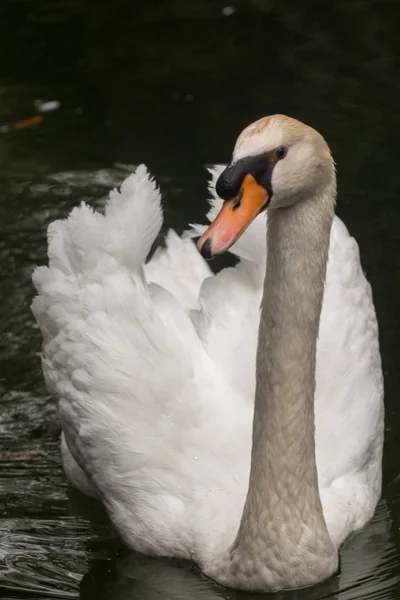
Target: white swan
156, 400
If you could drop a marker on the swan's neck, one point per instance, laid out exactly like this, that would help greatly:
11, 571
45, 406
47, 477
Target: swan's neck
283, 540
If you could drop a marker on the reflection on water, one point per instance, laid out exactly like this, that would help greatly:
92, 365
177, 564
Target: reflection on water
171, 84
44, 556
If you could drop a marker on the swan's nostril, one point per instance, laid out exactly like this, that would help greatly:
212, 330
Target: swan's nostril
206, 251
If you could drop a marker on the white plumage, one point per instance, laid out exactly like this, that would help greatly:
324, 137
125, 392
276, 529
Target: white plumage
153, 368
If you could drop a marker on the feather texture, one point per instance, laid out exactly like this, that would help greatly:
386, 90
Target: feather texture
153, 368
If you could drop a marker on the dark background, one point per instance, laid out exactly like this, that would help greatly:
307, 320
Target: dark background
171, 83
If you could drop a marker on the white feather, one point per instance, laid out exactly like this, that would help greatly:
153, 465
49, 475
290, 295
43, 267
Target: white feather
156, 398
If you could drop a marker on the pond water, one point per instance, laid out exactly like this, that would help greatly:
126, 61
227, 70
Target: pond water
171, 84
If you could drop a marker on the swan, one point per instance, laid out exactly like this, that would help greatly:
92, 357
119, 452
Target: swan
246, 439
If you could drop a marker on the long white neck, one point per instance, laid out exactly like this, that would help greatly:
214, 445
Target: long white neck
283, 541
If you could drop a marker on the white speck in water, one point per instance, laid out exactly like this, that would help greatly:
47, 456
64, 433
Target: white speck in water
196, 458
49, 106
228, 11
171, 423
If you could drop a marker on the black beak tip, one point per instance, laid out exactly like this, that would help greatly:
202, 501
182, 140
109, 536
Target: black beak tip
206, 251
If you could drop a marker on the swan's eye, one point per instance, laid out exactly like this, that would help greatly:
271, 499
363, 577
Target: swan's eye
281, 152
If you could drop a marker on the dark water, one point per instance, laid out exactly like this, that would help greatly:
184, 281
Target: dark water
171, 84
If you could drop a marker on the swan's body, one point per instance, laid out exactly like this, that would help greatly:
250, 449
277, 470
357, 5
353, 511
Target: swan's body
156, 394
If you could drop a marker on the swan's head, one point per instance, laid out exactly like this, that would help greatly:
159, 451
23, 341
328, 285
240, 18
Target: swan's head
277, 162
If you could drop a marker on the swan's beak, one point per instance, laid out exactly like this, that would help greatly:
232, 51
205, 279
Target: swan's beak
233, 219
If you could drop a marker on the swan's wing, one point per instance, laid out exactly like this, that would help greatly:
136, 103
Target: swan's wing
349, 391
144, 409
178, 268
227, 323
228, 312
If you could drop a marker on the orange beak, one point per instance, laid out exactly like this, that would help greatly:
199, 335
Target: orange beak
233, 219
